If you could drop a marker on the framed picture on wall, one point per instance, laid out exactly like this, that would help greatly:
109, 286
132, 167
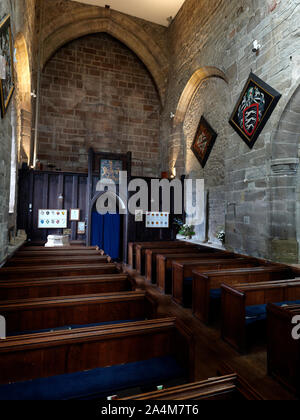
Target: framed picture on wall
74, 215
253, 109
81, 228
109, 170
7, 83
204, 141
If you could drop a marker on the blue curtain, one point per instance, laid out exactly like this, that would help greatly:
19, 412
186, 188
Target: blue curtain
106, 233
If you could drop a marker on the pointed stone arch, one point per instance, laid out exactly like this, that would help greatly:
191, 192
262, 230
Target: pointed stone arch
23, 101
192, 87
119, 26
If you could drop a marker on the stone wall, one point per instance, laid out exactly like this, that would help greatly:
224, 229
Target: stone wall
22, 21
219, 34
95, 92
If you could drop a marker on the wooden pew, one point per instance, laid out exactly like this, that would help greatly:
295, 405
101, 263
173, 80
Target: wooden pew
132, 249
151, 254
164, 265
241, 306
283, 350
140, 251
67, 286
57, 260
59, 248
226, 388
207, 284
46, 355
59, 252
50, 313
184, 269
9, 273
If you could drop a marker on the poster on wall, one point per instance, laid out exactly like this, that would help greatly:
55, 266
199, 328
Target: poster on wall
74, 215
81, 228
204, 141
253, 109
157, 220
52, 219
7, 83
109, 170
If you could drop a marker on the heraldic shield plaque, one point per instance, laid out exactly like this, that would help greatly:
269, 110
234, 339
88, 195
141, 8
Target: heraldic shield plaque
255, 106
204, 141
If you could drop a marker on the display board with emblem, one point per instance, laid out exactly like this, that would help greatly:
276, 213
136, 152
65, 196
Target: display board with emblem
52, 219
157, 220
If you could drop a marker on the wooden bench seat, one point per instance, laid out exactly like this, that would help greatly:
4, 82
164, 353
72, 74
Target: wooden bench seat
151, 257
244, 304
8, 273
48, 287
46, 355
207, 286
182, 272
98, 383
68, 311
229, 387
164, 265
56, 260
282, 349
140, 251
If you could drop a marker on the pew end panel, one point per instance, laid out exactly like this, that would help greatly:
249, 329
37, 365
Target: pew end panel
283, 351
201, 296
184, 348
233, 318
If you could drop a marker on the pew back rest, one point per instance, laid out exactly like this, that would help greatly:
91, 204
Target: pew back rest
270, 291
47, 313
54, 271
214, 279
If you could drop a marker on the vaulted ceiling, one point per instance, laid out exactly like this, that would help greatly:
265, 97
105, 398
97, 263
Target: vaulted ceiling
157, 11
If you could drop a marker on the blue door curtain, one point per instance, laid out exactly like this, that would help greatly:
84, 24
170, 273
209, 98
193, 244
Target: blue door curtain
106, 233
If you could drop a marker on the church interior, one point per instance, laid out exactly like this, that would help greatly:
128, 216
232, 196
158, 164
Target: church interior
151, 303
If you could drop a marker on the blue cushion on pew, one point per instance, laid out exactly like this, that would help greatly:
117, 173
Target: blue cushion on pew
72, 327
255, 313
259, 312
188, 280
100, 382
215, 293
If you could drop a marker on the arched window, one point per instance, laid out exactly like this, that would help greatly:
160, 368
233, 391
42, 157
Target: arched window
13, 163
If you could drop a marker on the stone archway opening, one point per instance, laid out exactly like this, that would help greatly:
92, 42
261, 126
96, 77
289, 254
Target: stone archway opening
285, 183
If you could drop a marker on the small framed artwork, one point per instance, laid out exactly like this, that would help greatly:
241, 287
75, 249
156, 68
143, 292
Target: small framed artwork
204, 141
74, 215
52, 219
81, 228
109, 170
253, 109
7, 83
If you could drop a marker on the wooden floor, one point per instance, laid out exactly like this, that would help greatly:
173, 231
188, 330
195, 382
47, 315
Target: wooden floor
211, 350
